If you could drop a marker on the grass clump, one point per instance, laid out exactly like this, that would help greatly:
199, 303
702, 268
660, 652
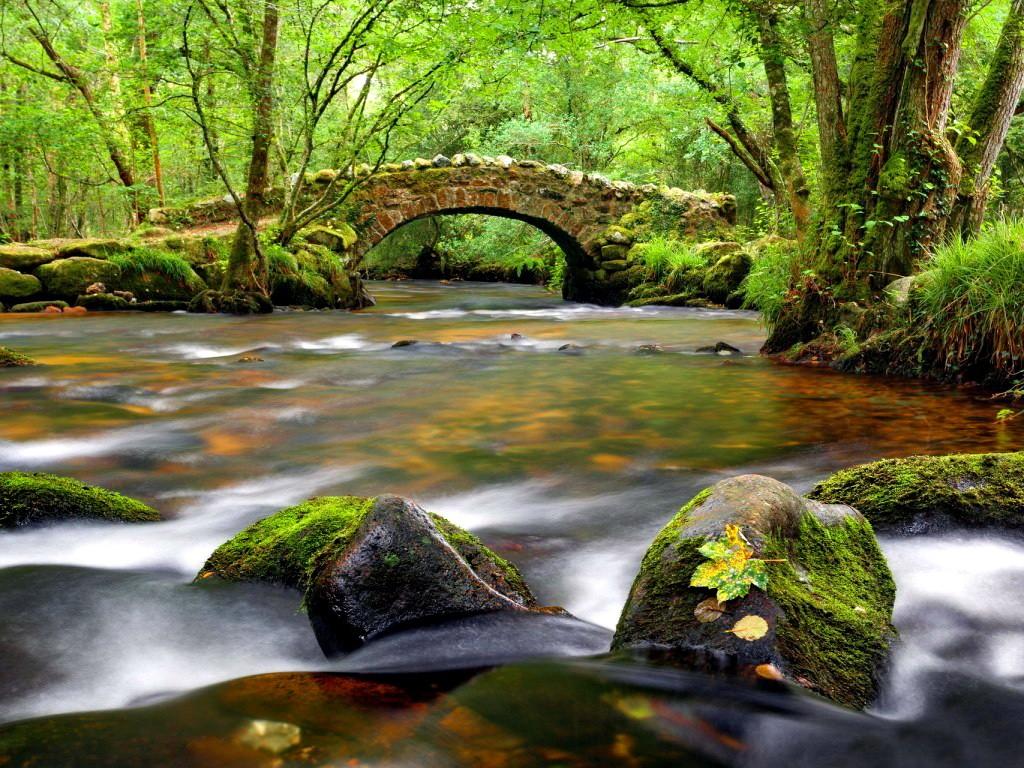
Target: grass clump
35, 497
774, 265
140, 261
663, 256
969, 300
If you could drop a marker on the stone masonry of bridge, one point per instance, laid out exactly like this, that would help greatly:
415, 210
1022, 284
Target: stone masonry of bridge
577, 211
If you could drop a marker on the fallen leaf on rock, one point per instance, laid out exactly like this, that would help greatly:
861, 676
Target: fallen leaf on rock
708, 610
750, 628
768, 672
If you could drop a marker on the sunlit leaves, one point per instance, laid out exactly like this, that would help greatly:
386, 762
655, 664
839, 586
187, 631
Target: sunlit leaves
750, 628
731, 568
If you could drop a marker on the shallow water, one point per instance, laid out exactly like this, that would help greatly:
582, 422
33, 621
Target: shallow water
566, 461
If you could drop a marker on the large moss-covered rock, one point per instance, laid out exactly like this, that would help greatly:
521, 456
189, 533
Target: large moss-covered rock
338, 237
368, 565
928, 491
15, 285
24, 258
69, 278
161, 285
28, 498
231, 302
723, 278
827, 605
11, 359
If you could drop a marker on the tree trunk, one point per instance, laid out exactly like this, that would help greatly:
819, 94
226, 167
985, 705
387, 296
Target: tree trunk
994, 108
247, 268
790, 168
147, 99
827, 97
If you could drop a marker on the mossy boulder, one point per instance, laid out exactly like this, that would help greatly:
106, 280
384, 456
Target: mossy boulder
28, 498
69, 278
723, 278
154, 284
15, 285
921, 492
24, 258
231, 302
339, 236
103, 302
368, 565
39, 306
827, 605
11, 359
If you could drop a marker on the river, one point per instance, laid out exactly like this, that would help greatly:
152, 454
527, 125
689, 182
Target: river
565, 460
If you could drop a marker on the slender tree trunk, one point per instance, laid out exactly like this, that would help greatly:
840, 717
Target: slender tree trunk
147, 98
827, 97
790, 168
247, 267
994, 109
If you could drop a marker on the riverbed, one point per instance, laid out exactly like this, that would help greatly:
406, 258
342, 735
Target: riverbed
564, 435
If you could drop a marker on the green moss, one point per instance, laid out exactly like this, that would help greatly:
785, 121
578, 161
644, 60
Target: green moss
972, 489
24, 258
15, 285
152, 273
34, 497
837, 593
472, 549
68, 278
726, 275
11, 359
284, 548
38, 306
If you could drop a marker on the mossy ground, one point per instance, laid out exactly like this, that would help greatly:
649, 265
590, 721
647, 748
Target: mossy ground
35, 497
971, 489
284, 548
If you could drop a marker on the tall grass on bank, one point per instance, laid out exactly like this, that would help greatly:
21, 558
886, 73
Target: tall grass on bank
766, 285
663, 256
970, 296
139, 261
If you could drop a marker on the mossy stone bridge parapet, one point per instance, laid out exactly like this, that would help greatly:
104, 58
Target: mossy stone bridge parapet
574, 209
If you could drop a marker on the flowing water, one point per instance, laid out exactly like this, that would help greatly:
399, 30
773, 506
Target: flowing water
567, 461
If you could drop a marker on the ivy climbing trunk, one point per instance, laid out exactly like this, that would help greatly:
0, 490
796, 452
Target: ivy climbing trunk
247, 267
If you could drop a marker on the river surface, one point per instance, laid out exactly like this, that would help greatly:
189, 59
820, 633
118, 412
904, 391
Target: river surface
566, 460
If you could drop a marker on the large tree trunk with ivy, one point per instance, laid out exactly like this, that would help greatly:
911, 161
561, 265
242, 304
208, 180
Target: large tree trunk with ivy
247, 267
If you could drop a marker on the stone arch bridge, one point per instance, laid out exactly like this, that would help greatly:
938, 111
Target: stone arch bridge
578, 211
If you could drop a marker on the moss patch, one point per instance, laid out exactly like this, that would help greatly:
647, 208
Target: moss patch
479, 556
284, 548
837, 594
971, 489
35, 497
15, 285
11, 359
69, 278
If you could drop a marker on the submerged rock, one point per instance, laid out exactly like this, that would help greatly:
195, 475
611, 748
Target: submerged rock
11, 359
719, 348
34, 497
984, 489
826, 608
368, 565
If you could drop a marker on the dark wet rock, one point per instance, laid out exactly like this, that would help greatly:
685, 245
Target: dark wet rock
69, 278
404, 343
38, 306
828, 601
720, 348
571, 349
516, 337
103, 302
11, 359
28, 498
923, 492
370, 565
231, 302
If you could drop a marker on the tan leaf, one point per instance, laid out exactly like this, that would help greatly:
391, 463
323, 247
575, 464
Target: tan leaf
708, 610
768, 672
750, 628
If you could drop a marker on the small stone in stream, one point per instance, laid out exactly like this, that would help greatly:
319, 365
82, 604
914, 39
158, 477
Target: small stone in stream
404, 343
95, 288
516, 337
649, 349
53, 310
73, 311
572, 349
721, 348
249, 359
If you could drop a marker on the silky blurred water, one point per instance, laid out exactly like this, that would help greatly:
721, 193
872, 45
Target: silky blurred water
566, 460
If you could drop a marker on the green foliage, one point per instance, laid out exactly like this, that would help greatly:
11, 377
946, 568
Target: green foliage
771, 274
142, 260
663, 256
